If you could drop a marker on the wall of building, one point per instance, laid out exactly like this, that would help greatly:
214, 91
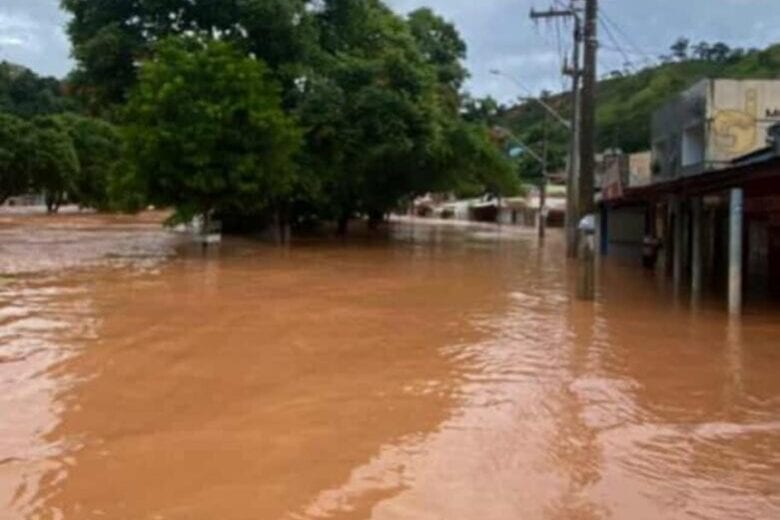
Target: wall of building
640, 169
762, 234
625, 229
740, 115
616, 172
774, 261
686, 111
711, 124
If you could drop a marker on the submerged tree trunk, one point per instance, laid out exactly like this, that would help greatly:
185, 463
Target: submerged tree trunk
285, 229
205, 231
375, 219
281, 226
53, 202
343, 225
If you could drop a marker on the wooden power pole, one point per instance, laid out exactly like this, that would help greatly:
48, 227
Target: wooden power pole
543, 185
586, 281
572, 178
572, 214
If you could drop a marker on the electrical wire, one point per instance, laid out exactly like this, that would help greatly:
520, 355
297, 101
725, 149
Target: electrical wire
608, 21
628, 63
556, 44
561, 50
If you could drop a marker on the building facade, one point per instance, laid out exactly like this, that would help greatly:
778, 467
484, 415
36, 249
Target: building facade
712, 208
711, 124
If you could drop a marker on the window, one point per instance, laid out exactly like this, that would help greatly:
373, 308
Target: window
659, 164
693, 146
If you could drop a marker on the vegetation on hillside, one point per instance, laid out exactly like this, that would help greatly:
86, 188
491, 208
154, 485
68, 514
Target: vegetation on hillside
626, 102
25, 94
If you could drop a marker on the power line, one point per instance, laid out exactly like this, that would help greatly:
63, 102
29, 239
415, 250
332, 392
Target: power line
570, 13
554, 43
561, 49
605, 18
623, 49
627, 61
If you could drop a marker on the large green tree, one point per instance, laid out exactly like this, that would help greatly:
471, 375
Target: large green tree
372, 114
377, 95
442, 46
54, 163
472, 164
99, 149
14, 155
112, 37
207, 132
381, 116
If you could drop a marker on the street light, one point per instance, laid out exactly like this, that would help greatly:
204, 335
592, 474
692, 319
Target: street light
558, 117
524, 147
542, 159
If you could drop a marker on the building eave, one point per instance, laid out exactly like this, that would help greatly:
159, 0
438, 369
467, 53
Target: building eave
709, 182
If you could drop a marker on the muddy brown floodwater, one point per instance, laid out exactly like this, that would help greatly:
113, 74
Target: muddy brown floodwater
437, 372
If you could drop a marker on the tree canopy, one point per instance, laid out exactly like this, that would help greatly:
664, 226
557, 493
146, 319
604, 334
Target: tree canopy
207, 132
25, 94
372, 97
54, 163
441, 45
99, 148
63, 156
315, 109
111, 38
14, 150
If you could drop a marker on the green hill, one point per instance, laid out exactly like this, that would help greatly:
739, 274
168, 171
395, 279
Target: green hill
25, 94
627, 102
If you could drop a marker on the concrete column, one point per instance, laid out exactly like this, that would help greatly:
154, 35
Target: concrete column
586, 278
735, 250
677, 269
668, 239
603, 233
686, 240
712, 232
697, 256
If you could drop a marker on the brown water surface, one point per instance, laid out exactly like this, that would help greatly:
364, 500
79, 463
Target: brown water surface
438, 372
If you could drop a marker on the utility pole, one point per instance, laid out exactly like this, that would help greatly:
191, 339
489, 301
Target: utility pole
586, 280
572, 214
543, 186
572, 178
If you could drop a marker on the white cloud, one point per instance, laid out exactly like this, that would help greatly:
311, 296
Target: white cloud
498, 32
32, 34
18, 31
12, 41
16, 22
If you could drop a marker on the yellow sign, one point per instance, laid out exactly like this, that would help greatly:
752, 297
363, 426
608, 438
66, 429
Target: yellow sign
736, 131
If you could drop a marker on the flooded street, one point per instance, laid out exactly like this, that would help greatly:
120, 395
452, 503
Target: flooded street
436, 373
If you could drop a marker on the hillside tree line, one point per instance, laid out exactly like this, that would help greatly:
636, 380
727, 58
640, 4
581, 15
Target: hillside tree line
255, 112
626, 101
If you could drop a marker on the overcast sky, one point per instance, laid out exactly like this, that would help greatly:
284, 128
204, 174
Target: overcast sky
498, 32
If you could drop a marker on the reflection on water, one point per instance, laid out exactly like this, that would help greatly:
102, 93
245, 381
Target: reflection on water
440, 372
